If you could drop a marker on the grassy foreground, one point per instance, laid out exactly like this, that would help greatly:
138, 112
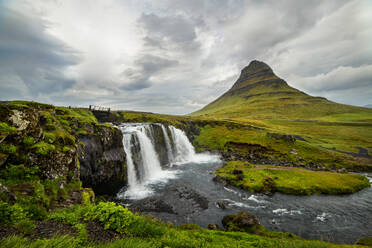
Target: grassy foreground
290, 180
138, 231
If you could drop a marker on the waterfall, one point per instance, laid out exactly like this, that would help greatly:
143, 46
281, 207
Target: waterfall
183, 148
132, 177
145, 146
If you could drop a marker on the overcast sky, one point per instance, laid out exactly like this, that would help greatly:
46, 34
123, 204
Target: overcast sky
175, 56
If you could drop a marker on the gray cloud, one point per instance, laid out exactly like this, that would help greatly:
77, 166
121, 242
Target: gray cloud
170, 32
146, 67
32, 56
175, 56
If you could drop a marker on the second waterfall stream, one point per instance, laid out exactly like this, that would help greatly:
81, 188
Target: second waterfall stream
152, 149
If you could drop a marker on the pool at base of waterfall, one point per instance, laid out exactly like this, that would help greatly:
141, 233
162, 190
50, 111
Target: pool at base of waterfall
168, 180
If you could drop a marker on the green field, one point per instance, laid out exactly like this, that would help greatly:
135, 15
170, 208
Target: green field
288, 180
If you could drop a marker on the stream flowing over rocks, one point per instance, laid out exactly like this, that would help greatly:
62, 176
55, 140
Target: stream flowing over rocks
169, 180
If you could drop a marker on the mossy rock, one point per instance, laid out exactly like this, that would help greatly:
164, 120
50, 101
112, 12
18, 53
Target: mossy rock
367, 241
242, 222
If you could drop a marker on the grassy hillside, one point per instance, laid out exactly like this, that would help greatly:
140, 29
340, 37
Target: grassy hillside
329, 133
260, 94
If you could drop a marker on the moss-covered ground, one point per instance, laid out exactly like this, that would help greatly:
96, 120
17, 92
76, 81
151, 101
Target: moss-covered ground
312, 149
289, 180
138, 231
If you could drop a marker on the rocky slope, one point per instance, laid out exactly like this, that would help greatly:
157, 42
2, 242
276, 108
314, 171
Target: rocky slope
102, 160
51, 153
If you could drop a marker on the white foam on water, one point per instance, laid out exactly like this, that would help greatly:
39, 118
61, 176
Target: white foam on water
255, 199
185, 151
238, 204
323, 217
282, 211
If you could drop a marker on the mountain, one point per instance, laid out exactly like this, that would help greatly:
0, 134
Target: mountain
368, 106
260, 94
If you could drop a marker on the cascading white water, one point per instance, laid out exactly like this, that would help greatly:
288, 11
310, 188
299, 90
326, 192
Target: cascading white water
143, 163
150, 160
132, 177
184, 150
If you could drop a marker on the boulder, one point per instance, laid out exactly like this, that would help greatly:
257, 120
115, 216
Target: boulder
285, 137
241, 222
102, 160
213, 227
221, 205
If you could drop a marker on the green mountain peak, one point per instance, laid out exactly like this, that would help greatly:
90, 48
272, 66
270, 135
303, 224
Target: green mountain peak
259, 94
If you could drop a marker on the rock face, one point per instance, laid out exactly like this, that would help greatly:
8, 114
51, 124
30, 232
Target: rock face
255, 69
31, 123
50, 143
102, 160
159, 143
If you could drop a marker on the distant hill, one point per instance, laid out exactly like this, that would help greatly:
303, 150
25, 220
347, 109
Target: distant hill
368, 106
260, 94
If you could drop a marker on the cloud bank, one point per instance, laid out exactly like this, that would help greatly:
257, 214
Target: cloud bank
173, 56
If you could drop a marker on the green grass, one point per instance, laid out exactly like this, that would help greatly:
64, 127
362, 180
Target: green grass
219, 137
152, 117
290, 180
147, 232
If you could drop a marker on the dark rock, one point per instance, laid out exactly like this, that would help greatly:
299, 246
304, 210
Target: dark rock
159, 144
178, 199
284, 137
10, 196
221, 205
154, 204
213, 227
239, 177
242, 222
237, 172
268, 186
102, 160
219, 179
254, 69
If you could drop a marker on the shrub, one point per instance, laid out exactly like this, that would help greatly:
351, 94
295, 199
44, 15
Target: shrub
8, 148
49, 137
29, 141
113, 216
5, 128
20, 172
87, 196
11, 214
66, 149
43, 148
